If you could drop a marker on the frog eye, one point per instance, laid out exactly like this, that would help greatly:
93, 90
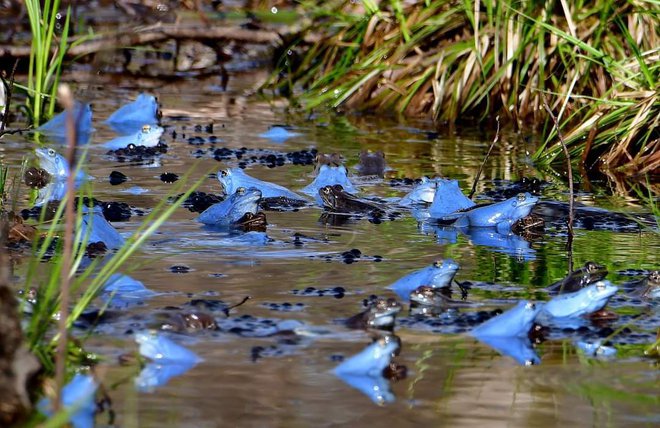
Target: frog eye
241, 190
530, 305
592, 267
326, 190
521, 197
146, 129
600, 286
51, 153
224, 173
437, 263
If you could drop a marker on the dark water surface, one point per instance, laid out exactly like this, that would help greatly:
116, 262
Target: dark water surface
452, 379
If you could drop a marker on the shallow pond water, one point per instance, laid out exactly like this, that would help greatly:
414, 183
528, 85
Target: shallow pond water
288, 381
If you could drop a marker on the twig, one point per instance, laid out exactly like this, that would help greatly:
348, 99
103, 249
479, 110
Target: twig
571, 212
66, 98
154, 34
228, 308
8, 90
490, 149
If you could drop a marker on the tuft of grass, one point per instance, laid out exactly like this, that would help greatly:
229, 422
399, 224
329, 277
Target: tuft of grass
46, 56
597, 63
85, 283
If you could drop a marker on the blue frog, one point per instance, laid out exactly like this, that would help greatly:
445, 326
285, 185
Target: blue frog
500, 215
278, 134
231, 210
595, 348
507, 243
448, 198
233, 178
516, 322
422, 193
329, 176
516, 347
155, 374
78, 394
95, 228
56, 128
438, 275
162, 350
364, 371
55, 165
148, 136
583, 302
53, 191
122, 291
130, 118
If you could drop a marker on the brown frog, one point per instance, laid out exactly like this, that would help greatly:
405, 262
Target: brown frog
252, 222
331, 159
380, 313
531, 227
186, 321
372, 163
336, 199
591, 272
646, 288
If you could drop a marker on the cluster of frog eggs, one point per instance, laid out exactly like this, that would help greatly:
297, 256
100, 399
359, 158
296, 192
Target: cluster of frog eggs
512, 333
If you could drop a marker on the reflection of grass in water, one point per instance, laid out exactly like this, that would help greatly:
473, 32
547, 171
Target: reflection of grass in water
608, 384
452, 355
605, 394
603, 247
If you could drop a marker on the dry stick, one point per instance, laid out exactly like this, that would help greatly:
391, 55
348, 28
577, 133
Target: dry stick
571, 213
154, 34
490, 149
228, 308
66, 98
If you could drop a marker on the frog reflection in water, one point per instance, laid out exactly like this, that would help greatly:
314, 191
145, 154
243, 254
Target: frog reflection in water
252, 222
579, 278
380, 313
437, 297
336, 199
647, 287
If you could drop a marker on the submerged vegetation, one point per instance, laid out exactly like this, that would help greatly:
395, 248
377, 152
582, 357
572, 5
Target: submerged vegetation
597, 64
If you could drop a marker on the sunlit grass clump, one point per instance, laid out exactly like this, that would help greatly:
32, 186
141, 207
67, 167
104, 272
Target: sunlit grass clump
596, 63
